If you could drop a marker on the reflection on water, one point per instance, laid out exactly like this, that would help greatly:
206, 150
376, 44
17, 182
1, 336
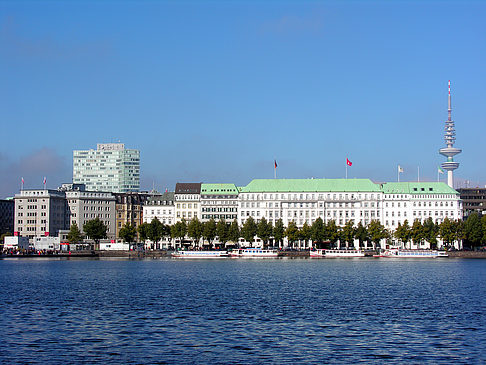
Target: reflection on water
242, 311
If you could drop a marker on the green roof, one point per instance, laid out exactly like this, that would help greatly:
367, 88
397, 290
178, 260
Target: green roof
418, 188
219, 189
310, 185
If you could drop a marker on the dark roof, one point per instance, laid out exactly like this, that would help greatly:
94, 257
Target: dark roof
188, 188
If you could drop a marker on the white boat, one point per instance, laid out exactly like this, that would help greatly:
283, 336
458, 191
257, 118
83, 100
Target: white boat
317, 253
402, 253
200, 254
344, 253
253, 252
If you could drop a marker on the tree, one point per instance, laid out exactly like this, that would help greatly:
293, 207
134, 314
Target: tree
249, 230
305, 233
155, 231
483, 222
96, 230
74, 236
222, 231
234, 232
318, 231
278, 232
128, 233
431, 230
417, 233
195, 230
264, 231
447, 231
292, 232
473, 230
179, 230
143, 231
361, 234
332, 232
209, 231
403, 233
347, 232
377, 232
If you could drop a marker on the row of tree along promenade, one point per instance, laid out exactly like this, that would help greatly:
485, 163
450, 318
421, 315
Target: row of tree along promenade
212, 234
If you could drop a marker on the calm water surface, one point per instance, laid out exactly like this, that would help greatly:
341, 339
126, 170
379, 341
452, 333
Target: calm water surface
242, 311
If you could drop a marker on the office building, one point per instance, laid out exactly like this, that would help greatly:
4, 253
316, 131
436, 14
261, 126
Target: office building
109, 168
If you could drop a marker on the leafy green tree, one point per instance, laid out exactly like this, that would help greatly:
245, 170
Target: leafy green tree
209, 231
234, 232
264, 231
473, 230
292, 232
155, 231
460, 230
305, 233
361, 234
348, 231
179, 230
96, 230
222, 231
431, 230
195, 230
332, 232
318, 231
377, 232
249, 230
128, 233
143, 230
403, 232
278, 232
417, 232
74, 236
483, 223
447, 231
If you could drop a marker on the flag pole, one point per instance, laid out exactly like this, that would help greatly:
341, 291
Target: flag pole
346, 170
418, 173
398, 173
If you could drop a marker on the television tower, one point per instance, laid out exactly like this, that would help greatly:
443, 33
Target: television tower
450, 151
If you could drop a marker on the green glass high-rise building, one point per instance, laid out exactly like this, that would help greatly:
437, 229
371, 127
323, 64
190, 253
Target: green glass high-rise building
111, 168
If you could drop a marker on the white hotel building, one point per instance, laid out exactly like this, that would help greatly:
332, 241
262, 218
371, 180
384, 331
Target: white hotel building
341, 200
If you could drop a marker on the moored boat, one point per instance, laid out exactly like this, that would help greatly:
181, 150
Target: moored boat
253, 252
403, 253
323, 253
317, 253
344, 253
200, 254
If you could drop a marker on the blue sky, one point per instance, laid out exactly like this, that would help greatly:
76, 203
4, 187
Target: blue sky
214, 91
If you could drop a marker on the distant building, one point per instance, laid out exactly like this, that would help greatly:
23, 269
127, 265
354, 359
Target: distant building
129, 209
40, 213
84, 206
473, 200
342, 200
161, 207
7, 209
219, 201
187, 199
110, 168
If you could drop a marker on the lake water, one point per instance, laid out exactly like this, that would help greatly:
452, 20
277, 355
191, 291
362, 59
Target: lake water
242, 311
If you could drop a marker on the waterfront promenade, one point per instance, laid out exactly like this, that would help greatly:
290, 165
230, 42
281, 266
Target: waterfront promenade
165, 253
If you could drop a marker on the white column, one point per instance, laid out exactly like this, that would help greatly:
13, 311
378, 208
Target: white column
450, 179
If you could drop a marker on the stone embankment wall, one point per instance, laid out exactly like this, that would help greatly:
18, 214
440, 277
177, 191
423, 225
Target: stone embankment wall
468, 254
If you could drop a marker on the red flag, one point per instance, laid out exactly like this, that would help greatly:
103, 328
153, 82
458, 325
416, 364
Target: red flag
349, 163
45, 180
275, 163
22, 180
